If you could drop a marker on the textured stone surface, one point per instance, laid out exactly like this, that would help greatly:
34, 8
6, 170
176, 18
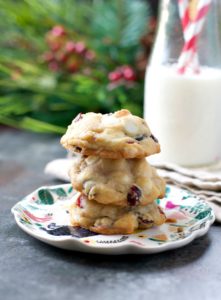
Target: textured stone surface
32, 270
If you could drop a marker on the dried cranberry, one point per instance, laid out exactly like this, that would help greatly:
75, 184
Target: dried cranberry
134, 195
160, 210
79, 117
79, 201
154, 138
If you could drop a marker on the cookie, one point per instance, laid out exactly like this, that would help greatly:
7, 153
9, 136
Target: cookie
120, 182
117, 135
109, 219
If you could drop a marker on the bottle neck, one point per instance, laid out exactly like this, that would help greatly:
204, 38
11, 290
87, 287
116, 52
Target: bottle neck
169, 39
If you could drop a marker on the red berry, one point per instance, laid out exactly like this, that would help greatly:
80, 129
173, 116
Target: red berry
54, 46
48, 56
73, 67
53, 66
115, 76
62, 57
70, 47
128, 73
90, 55
58, 30
80, 47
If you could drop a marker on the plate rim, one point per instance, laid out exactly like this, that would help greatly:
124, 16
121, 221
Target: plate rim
123, 247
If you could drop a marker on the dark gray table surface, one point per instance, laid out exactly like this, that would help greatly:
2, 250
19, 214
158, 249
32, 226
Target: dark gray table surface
30, 269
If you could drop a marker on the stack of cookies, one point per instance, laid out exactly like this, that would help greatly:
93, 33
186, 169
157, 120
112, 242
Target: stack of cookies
117, 187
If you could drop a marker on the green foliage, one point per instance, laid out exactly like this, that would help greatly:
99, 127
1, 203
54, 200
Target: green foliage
35, 98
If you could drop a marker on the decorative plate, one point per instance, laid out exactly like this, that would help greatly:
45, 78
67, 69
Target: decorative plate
44, 215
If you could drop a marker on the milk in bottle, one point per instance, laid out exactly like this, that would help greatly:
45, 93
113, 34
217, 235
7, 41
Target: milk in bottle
185, 114
184, 111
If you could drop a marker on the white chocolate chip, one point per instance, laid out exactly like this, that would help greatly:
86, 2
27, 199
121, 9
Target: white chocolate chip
130, 127
103, 222
110, 121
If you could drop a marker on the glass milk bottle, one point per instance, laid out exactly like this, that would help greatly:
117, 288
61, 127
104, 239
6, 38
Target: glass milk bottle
184, 110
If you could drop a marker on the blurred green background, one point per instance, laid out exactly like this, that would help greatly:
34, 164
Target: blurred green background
62, 57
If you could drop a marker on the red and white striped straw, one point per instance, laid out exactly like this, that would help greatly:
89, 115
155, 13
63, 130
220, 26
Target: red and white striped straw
185, 20
184, 13
191, 32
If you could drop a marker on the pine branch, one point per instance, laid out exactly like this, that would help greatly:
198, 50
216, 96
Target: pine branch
32, 96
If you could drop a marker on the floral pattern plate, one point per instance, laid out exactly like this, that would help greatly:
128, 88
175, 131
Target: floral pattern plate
44, 215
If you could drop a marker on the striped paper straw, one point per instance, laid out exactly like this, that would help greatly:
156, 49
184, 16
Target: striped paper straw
191, 32
184, 11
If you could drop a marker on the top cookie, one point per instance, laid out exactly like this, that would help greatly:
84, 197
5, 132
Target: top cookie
114, 136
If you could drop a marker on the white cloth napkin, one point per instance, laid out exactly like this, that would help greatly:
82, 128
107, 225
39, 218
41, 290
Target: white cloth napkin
204, 182
59, 168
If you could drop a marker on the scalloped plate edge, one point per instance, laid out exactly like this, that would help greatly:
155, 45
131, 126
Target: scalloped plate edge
71, 243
